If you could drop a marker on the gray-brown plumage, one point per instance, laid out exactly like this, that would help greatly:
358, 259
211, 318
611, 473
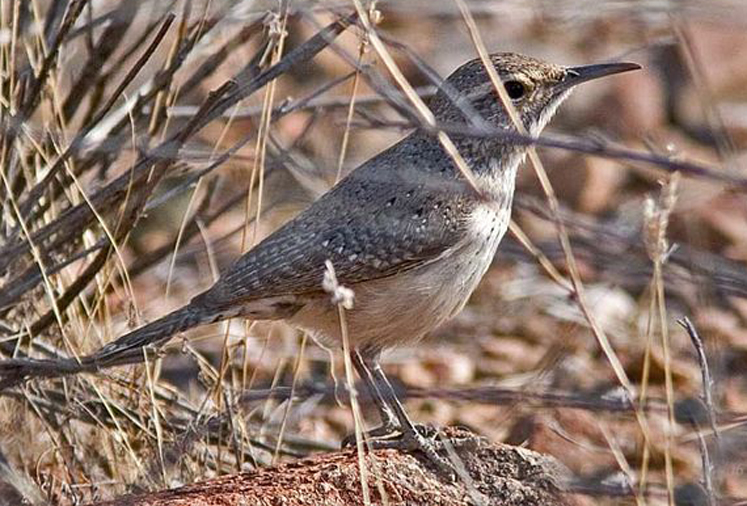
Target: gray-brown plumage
404, 231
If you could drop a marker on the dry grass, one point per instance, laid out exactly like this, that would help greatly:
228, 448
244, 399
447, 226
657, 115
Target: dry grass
147, 144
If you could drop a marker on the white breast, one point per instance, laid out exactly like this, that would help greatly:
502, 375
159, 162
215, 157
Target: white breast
485, 221
489, 223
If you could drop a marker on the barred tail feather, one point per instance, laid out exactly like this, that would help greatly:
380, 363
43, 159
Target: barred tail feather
129, 347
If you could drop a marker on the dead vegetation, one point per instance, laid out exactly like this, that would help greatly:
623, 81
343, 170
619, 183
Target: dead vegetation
147, 144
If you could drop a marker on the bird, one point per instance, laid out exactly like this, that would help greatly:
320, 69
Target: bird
406, 231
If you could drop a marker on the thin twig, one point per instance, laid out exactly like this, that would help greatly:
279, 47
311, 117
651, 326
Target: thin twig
708, 383
595, 147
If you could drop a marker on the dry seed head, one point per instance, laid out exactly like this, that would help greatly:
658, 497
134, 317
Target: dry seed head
340, 294
656, 215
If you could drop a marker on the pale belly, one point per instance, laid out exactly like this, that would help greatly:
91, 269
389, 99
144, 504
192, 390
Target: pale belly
401, 309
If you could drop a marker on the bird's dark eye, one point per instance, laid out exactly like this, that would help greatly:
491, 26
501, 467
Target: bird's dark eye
515, 89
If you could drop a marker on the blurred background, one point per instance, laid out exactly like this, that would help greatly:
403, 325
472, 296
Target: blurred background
99, 100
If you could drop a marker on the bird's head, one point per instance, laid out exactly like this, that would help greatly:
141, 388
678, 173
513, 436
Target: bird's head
535, 88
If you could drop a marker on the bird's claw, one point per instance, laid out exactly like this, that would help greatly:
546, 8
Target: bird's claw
423, 439
383, 431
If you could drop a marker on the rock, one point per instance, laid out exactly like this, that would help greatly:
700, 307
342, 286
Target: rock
499, 475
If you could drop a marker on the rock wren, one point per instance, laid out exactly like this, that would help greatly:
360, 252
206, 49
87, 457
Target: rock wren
404, 231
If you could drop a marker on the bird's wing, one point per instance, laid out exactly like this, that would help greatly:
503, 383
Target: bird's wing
370, 226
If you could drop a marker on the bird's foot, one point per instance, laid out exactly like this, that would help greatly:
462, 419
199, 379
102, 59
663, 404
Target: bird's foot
383, 431
422, 438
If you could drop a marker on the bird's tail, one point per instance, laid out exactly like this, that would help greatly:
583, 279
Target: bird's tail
130, 347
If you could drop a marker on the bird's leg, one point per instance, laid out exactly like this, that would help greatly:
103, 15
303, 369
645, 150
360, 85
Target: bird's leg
397, 431
389, 423
413, 437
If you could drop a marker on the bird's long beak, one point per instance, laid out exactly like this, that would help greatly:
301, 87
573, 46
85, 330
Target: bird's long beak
583, 73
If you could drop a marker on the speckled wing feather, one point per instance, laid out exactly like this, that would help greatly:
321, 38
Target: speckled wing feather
375, 223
